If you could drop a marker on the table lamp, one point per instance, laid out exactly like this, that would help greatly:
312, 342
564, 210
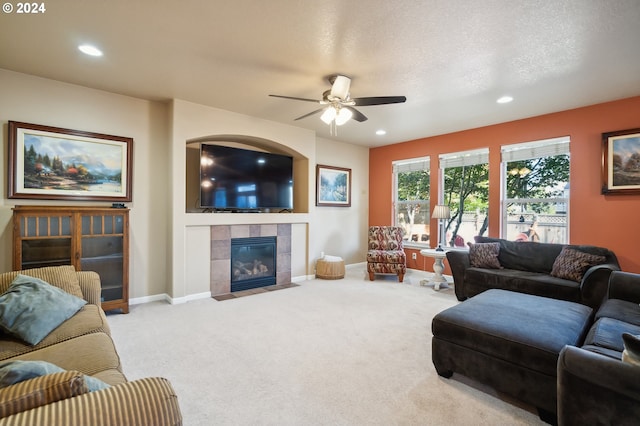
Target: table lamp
440, 212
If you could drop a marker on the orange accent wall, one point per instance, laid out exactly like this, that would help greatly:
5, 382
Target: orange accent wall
611, 221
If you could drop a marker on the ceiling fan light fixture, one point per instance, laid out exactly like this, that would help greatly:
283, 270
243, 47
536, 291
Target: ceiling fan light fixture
328, 115
343, 116
340, 87
337, 105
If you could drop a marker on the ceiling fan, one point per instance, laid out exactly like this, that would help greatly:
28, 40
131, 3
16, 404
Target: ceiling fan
339, 105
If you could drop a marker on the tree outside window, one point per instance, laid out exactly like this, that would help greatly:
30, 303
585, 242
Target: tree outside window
466, 192
412, 185
536, 191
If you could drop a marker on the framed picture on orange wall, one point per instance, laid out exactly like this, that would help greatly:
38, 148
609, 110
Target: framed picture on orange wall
621, 162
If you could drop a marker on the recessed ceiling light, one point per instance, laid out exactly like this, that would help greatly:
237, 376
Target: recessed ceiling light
87, 49
504, 100
381, 132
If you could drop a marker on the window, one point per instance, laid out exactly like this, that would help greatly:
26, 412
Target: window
411, 198
465, 186
536, 191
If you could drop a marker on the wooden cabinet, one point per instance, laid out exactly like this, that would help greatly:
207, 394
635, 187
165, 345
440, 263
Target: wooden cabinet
89, 238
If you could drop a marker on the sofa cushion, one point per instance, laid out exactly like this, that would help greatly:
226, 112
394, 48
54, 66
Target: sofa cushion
485, 255
382, 256
607, 333
525, 256
91, 354
621, 310
89, 319
571, 264
40, 391
31, 308
64, 277
611, 353
481, 279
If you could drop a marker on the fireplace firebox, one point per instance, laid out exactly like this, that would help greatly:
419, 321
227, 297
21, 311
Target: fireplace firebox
253, 262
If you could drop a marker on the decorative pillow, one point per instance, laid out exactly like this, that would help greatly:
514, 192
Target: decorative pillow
40, 391
484, 255
32, 308
12, 372
571, 264
631, 353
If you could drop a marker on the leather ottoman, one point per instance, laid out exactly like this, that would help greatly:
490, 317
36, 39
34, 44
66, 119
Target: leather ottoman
511, 342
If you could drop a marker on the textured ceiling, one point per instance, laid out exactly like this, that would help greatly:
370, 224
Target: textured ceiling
452, 59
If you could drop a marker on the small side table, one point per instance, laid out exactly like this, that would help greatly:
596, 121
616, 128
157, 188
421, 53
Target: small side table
438, 281
332, 269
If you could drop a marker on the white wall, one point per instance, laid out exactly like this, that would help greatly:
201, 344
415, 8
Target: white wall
160, 229
193, 121
40, 101
342, 231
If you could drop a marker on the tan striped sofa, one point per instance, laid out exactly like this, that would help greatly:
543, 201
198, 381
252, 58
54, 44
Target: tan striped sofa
82, 345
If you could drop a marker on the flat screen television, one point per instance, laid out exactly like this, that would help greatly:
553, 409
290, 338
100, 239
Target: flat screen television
236, 179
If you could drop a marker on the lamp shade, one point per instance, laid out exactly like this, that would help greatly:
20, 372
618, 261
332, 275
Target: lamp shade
441, 212
328, 115
343, 116
340, 87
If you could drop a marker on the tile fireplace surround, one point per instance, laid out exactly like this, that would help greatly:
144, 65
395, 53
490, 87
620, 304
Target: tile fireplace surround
221, 236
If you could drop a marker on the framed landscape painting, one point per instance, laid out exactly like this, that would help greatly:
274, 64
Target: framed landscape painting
621, 162
333, 186
63, 164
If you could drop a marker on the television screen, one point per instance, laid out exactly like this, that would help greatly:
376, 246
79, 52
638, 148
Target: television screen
242, 180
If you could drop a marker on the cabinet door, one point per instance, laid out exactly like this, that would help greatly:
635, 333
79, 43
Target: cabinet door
102, 245
44, 241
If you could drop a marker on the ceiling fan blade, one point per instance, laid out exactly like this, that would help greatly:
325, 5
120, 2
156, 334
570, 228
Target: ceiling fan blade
307, 115
296, 99
379, 100
340, 86
357, 115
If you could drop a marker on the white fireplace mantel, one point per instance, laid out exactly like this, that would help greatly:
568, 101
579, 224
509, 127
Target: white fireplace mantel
197, 260
209, 219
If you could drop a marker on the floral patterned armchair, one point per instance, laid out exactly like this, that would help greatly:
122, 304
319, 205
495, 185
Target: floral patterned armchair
385, 253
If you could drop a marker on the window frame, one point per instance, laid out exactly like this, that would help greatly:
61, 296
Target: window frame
408, 165
530, 151
477, 156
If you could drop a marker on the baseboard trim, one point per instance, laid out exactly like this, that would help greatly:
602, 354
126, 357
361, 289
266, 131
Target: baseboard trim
207, 294
357, 265
148, 299
171, 300
189, 298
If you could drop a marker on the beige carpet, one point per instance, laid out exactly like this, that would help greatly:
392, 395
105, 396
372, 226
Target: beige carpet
340, 352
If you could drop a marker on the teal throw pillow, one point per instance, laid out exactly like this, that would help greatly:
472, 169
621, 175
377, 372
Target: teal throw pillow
12, 372
31, 308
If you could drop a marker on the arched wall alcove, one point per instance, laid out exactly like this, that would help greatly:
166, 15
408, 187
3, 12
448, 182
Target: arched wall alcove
192, 168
